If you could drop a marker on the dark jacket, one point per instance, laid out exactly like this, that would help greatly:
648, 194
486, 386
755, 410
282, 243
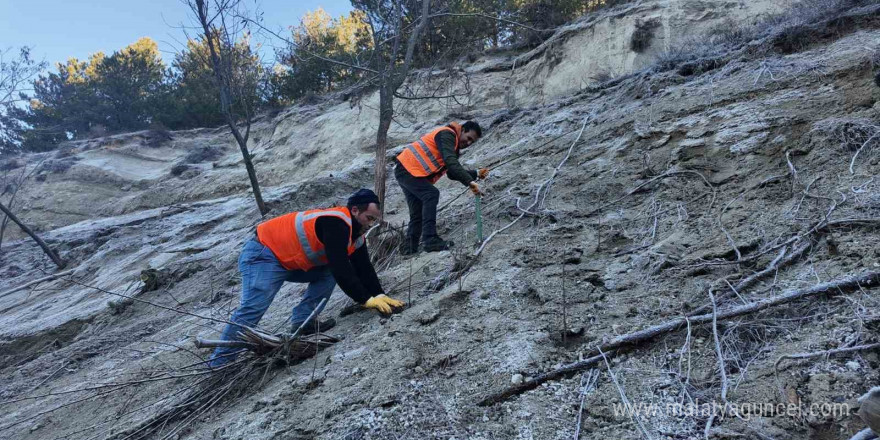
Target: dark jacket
354, 274
446, 144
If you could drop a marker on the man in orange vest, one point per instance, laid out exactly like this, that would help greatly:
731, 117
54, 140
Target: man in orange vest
420, 165
321, 247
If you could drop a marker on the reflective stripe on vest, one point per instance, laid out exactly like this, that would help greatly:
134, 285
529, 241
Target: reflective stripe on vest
293, 240
319, 257
422, 158
427, 152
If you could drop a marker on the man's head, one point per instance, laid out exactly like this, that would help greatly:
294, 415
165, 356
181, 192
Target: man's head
470, 132
364, 207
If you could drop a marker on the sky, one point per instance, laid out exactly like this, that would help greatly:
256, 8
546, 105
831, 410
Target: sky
59, 29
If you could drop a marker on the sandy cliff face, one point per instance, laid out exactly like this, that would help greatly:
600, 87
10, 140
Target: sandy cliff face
664, 186
130, 172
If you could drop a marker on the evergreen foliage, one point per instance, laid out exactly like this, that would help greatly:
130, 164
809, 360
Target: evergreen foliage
133, 89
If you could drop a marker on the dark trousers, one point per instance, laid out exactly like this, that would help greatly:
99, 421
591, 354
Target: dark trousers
421, 198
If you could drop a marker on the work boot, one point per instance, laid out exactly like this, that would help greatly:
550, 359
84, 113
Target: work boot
410, 247
436, 244
309, 329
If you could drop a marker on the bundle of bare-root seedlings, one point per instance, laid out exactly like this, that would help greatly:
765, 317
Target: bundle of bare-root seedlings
223, 384
281, 347
385, 242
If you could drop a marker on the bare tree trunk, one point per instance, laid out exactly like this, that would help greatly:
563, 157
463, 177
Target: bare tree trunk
391, 78
225, 101
386, 113
54, 256
252, 173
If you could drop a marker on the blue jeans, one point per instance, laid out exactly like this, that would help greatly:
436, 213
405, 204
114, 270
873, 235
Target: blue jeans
262, 276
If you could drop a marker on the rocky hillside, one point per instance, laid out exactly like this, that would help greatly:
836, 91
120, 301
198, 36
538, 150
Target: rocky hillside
659, 169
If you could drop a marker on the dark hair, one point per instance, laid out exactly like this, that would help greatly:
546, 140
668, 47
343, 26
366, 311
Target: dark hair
362, 199
363, 206
472, 126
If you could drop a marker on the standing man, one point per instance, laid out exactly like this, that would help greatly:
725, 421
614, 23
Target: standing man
321, 247
420, 165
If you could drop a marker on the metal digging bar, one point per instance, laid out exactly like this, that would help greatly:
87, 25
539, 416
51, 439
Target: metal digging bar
479, 212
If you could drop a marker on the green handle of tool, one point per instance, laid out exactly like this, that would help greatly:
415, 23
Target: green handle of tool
479, 212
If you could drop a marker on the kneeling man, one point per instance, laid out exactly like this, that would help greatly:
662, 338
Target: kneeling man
321, 247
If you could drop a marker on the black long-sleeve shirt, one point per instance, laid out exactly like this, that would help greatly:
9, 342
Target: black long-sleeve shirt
354, 274
445, 141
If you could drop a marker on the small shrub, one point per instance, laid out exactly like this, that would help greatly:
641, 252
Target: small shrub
178, 169
57, 166
687, 51
65, 151
730, 33
850, 133
97, 131
310, 98
11, 164
157, 137
602, 76
119, 307
643, 35
793, 39
205, 154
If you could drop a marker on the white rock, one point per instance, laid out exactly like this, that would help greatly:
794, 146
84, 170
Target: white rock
852, 365
516, 379
750, 144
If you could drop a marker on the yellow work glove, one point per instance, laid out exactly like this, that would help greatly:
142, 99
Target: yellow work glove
482, 173
383, 304
475, 188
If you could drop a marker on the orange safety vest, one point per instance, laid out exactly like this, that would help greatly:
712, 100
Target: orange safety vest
422, 158
294, 241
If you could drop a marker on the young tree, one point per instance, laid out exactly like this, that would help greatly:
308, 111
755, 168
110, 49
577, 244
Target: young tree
51, 253
396, 31
396, 27
14, 77
219, 30
16, 73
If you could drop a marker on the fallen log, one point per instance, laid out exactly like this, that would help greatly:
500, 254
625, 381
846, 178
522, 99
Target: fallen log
628, 340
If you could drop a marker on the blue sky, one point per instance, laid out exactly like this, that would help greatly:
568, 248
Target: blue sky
59, 29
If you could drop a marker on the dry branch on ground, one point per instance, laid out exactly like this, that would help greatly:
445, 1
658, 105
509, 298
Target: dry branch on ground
865, 280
